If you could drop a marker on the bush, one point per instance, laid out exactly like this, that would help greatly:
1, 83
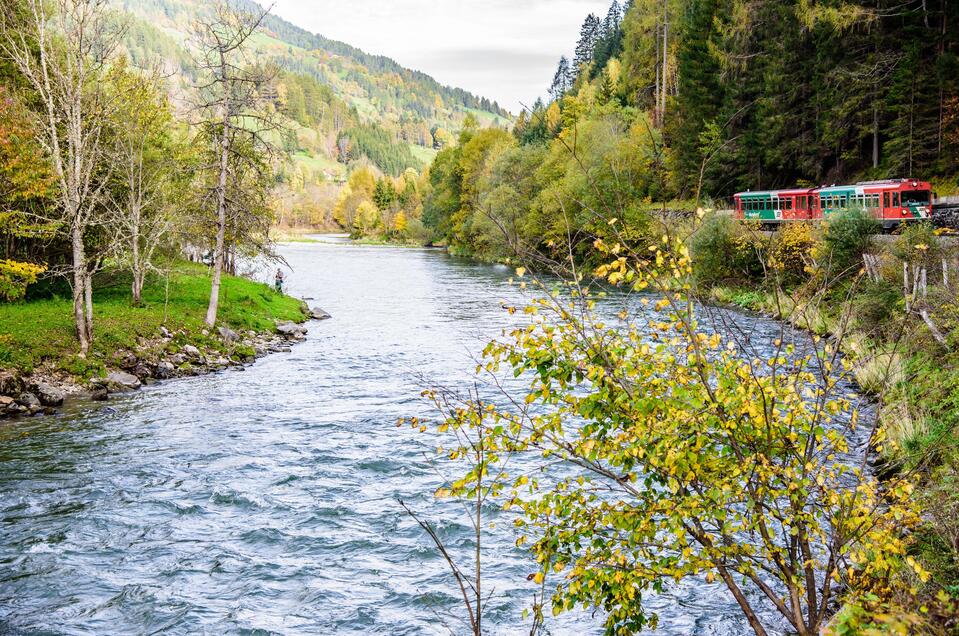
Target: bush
16, 277
848, 236
874, 307
722, 252
919, 246
791, 253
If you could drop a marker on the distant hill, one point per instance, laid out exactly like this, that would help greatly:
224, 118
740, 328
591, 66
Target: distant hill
344, 105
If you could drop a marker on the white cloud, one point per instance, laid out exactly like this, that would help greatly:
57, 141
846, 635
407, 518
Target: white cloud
506, 50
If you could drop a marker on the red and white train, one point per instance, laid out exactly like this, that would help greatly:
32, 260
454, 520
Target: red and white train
891, 202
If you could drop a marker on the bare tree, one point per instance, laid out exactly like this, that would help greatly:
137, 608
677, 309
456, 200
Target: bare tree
64, 55
233, 118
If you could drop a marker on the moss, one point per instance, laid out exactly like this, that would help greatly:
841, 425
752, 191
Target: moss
41, 331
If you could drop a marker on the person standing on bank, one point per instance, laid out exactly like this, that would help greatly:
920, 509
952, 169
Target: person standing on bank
279, 281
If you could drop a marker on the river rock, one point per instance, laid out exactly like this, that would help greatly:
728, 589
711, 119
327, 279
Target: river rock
48, 394
177, 359
229, 336
318, 314
8, 404
191, 351
100, 394
165, 370
165, 333
291, 331
128, 361
10, 383
30, 401
119, 381
143, 371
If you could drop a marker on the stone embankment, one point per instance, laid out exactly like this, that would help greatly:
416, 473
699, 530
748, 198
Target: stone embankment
169, 355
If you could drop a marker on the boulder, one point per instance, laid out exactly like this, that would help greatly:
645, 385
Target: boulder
119, 381
30, 401
228, 335
48, 394
165, 370
291, 331
100, 394
128, 360
177, 359
7, 404
318, 314
191, 351
10, 383
143, 371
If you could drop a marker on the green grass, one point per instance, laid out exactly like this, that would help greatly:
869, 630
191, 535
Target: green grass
423, 155
487, 118
319, 163
40, 331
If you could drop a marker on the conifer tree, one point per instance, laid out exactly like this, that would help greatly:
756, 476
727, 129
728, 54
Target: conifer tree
562, 80
588, 36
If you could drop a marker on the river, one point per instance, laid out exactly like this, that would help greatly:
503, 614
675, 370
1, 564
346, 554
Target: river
264, 501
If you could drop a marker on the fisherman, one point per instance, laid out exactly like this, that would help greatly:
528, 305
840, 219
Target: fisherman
279, 281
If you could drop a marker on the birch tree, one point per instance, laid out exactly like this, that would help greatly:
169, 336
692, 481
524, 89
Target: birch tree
235, 120
63, 50
149, 166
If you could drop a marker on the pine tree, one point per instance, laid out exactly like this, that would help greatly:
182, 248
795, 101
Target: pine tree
562, 80
588, 36
610, 41
700, 91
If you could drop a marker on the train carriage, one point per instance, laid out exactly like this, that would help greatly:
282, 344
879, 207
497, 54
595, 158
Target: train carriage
891, 201
775, 206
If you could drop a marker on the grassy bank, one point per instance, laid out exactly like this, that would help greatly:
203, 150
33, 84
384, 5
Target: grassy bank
40, 332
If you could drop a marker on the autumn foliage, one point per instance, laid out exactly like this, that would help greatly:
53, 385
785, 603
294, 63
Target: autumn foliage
647, 449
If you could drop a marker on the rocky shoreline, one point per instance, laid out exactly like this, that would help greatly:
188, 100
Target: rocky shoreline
169, 355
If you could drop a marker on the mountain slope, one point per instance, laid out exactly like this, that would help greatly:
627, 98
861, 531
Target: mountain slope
343, 103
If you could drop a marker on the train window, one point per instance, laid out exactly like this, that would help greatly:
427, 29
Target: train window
895, 199
885, 199
916, 196
789, 203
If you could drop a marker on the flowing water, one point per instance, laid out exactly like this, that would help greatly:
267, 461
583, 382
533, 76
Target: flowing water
264, 501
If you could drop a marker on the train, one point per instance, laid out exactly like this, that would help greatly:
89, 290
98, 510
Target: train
891, 201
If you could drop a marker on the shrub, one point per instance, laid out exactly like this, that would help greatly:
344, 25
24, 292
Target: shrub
791, 254
847, 237
919, 246
15, 277
722, 252
874, 306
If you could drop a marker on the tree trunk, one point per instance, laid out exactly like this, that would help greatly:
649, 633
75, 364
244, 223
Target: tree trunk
137, 266
663, 82
656, 86
875, 134
138, 276
218, 254
88, 302
79, 292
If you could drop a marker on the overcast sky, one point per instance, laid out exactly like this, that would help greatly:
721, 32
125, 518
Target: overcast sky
506, 50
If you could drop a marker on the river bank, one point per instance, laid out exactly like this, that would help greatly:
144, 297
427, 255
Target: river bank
163, 338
